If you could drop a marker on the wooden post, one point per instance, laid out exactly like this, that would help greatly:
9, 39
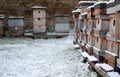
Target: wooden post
118, 25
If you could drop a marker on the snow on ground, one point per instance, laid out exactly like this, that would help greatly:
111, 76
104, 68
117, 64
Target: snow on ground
41, 58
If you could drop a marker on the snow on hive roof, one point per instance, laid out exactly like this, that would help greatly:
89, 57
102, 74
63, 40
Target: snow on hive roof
97, 3
2, 16
76, 11
84, 13
113, 74
96, 48
80, 17
73, 11
92, 58
85, 54
111, 1
82, 42
113, 54
39, 7
16, 17
87, 2
87, 45
105, 67
90, 7
76, 46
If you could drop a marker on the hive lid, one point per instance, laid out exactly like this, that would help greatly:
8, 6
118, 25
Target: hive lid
86, 3
16, 17
2, 16
90, 8
38, 7
113, 74
100, 5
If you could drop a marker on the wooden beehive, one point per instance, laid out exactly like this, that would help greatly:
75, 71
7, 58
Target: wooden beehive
100, 8
39, 19
84, 4
16, 26
62, 23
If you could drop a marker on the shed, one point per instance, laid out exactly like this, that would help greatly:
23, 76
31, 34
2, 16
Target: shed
16, 25
62, 23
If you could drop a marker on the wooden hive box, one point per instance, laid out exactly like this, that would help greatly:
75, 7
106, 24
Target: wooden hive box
16, 25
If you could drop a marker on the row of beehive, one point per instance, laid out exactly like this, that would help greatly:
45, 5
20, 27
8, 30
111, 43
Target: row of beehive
16, 24
98, 29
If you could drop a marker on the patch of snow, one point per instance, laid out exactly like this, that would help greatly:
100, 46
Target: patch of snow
80, 17
41, 58
96, 48
82, 44
87, 2
104, 66
113, 54
85, 54
76, 46
88, 46
111, 1
92, 58
38, 7
76, 11
108, 34
73, 11
90, 7
113, 74
84, 13
100, 2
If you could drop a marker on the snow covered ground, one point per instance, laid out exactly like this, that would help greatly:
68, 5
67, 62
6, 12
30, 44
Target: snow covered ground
41, 58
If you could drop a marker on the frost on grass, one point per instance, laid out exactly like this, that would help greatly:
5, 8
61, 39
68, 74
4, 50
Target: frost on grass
41, 58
